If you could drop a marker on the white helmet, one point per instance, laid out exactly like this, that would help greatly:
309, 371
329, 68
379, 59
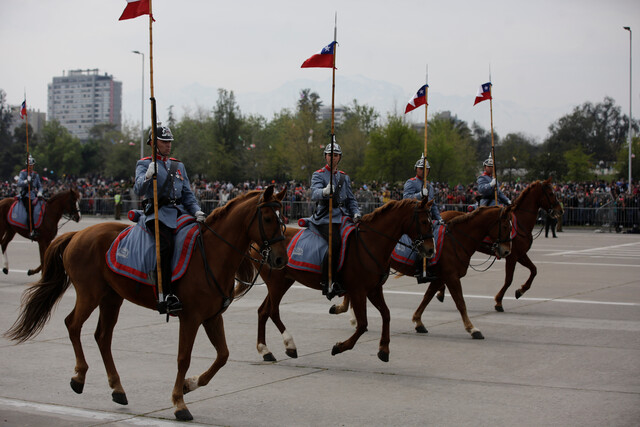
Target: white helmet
420, 163
163, 133
31, 161
488, 162
336, 149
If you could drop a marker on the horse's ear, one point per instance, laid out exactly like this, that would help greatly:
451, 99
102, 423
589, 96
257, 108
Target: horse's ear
268, 193
280, 196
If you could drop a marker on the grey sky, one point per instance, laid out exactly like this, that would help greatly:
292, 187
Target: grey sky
546, 56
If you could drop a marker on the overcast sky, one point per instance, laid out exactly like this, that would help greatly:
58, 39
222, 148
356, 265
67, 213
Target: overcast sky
545, 56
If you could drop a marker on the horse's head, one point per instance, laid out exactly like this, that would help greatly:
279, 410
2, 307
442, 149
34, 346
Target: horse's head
549, 202
269, 228
72, 207
421, 229
500, 234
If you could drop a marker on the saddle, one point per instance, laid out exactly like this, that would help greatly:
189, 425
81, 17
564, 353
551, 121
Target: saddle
133, 253
18, 215
307, 248
404, 253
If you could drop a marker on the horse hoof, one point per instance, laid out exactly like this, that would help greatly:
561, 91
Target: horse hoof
477, 335
518, 293
183, 415
333, 309
383, 355
269, 357
421, 330
5, 270
119, 398
335, 350
76, 386
292, 353
440, 297
499, 308
30, 273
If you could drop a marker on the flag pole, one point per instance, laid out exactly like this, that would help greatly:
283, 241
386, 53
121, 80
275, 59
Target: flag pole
26, 121
493, 148
333, 139
154, 150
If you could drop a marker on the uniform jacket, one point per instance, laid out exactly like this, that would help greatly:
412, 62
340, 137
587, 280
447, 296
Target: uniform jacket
485, 191
344, 202
413, 190
176, 199
36, 185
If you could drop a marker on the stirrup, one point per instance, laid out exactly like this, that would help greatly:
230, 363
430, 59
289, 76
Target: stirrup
173, 304
336, 289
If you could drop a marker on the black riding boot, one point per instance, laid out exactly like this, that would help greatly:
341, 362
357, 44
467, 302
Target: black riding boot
423, 276
170, 304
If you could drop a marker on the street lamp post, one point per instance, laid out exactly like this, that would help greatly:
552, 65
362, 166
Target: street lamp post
629, 183
142, 107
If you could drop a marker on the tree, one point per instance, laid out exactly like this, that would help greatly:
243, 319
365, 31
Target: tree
12, 151
227, 124
579, 165
444, 147
355, 132
514, 152
623, 161
58, 151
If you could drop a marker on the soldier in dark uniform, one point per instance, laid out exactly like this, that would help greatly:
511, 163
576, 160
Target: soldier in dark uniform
486, 185
174, 199
414, 188
29, 179
344, 204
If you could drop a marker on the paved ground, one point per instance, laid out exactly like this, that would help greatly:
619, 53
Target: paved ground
566, 354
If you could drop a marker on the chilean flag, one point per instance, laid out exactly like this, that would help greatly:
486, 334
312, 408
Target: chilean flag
23, 109
484, 93
322, 59
418, 99
134, 9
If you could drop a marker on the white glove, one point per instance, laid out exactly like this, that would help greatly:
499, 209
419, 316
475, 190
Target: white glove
440, 221
493, 182
200, 216
28, 178
425, 192
149, 173
326, 190
357, 218
508, 202
39, 193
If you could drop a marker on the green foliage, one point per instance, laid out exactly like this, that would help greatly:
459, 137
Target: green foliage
623, 160
12, 149
58, 152
444, 148
579, 165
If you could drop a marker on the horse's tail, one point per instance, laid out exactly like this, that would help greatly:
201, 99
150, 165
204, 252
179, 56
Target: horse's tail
41, 297
244, 277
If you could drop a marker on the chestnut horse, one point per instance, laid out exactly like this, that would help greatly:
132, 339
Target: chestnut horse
365, 269
538, 195
62, 203
463, 236
205, 290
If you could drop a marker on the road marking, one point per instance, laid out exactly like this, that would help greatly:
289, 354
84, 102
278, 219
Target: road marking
594, 250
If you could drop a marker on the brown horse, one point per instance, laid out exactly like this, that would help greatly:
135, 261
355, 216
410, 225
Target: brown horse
538, 195
62, 203
205, 290
365, 269
463, 236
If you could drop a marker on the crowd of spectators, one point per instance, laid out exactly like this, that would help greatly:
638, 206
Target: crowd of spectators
585, 203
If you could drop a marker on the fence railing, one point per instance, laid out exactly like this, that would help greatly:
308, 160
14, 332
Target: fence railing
609, 216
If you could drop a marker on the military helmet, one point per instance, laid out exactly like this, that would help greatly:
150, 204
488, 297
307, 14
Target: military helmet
336, 148
30, 161
163, 133
488, 162
420, 163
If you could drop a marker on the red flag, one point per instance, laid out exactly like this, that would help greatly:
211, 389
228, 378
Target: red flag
322, 59
134, 9
420, 98
484, 93
23, 109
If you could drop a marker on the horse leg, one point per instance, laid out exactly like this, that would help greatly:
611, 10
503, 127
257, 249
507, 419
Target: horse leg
359, 304
340, 308
440, 294
377, 299
42, 247
6, 238
270, 308
109, 310
74, 322
533, 271
428, 295
455, 289
508, 279
214, 328
188, 331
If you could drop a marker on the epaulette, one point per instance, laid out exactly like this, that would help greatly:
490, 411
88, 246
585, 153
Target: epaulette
146, 158
321, 169
412, 179
174, 160
342, 172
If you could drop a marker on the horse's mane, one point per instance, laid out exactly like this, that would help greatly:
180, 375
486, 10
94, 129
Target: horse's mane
524, 193
392, 205
221, 212
467, 217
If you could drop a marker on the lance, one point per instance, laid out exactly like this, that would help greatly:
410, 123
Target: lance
493, 148
333, 140
26, 121
424, 155
154, 151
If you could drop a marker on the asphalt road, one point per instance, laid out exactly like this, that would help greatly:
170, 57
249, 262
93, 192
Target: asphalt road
566, 354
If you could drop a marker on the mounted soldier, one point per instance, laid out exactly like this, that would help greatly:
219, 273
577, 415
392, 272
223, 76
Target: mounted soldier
416, 188
30, 190
487, 186
174, 198
325, 182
